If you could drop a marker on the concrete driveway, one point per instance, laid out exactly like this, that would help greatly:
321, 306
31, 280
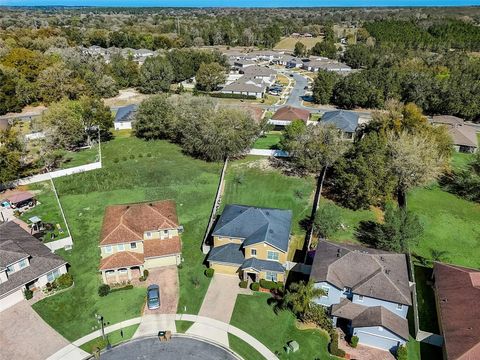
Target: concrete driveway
24, 335
167, 279
220, 299
361, 351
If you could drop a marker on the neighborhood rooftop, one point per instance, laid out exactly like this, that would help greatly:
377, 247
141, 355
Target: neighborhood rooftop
255, 225
377, 274
346, 121
291, 113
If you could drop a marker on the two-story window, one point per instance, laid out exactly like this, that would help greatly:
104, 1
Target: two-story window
108, 249
271, 276
133, 245
253, 252
121, 247
272, 255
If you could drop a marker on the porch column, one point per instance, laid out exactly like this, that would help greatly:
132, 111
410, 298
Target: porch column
117, 276
104, 277
129, 272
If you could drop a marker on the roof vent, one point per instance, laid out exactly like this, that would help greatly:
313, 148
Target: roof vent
267, 212
382, 258
387, 271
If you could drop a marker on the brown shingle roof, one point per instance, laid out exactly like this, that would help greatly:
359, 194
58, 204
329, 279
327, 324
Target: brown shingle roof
157, 247
464, 135
447, 119
291, 113
121, 259
458, 301
125, 223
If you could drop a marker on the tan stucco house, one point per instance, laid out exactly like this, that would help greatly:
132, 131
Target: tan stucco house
136, 237
251, 242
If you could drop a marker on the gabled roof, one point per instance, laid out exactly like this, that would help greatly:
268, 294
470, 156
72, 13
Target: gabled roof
124, 112
125, 223
16, 242
262, 265
10, 253
121, 259
346, 121
458, 300
364, 316
368, 272
229, 253
464, 135
290, 113
447, 120
246, 84
20, 196
255, 225
258, 71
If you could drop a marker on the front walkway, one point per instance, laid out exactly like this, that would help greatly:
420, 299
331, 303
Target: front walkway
24, 335
209, 325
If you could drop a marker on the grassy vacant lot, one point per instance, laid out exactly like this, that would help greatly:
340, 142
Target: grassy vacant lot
288, 43
47, 209
243, 349
254, 315
451, 225
114, 338
134, 170
268, 141
253, 181
82, 157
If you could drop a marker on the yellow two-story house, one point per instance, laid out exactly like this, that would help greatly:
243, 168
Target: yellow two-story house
251, 242
136, 237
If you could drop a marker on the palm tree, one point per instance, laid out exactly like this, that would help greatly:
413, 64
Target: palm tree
299, 296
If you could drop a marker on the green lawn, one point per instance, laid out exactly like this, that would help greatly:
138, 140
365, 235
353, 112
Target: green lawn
115, 337
427, 312
268, 141
82, 157
460, 161
183, 325
134, 170
254, 315
243, 349
451, 225
47, 209
251, 181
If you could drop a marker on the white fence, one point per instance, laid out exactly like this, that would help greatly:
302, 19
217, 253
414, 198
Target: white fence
58, 173
65, 243
265, 152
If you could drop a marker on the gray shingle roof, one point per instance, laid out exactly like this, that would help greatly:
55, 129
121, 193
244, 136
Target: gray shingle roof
262, 265
124, 113
42, 260
377, 274
346, 121
246, 84
229, 253
255, 225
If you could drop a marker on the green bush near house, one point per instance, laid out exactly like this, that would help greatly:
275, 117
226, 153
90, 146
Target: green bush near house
269, 285
354, 341
255, 286
64, 281
243, 284
402, 353
333, 346
145, 274
103, 290
127, 287
209, 272
28, 294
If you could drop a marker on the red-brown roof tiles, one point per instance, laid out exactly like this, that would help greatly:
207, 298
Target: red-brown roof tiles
121, 259
125, 223
291, 113
458, 299
157, 247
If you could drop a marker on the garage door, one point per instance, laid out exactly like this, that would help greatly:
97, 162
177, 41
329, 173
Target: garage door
376, 341
11, 300
161, 261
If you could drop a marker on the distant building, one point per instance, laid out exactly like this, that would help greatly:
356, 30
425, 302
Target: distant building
319, 63
125, 117
294, 63
285, 115
260, 72
246, 86
346, 121
464, 137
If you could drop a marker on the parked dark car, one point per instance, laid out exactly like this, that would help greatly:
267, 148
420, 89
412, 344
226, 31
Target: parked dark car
153, 297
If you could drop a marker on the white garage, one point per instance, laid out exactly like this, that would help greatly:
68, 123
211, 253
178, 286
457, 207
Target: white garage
378, 337
11, 299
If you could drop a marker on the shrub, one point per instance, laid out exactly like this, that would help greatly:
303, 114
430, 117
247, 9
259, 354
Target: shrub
140, 155
179, 266
103, 290
28, 294
126, 287
402, 352
243, 284
269, 285
141, 278
124, 158
132, 156
354, 341
226, 96
64, 281
334, 349
116, 160
255, 286
145, 274
209, 272
280, 285
48, 286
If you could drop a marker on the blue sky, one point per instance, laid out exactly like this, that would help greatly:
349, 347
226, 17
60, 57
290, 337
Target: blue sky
240, 3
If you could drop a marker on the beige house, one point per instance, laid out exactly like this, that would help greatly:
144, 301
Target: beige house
251, 243
136, 237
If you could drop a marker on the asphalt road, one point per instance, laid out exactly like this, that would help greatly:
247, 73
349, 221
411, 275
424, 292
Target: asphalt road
178, 348
295, 98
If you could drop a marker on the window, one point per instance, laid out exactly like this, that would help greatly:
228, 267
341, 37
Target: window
23, 263
133, 245
122, 271
108, 249
121, 247
399, 306
165, 232
272, 255
149, 234
253, 252
10, 269
360, 297
51, 276
271, 276
325, 290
